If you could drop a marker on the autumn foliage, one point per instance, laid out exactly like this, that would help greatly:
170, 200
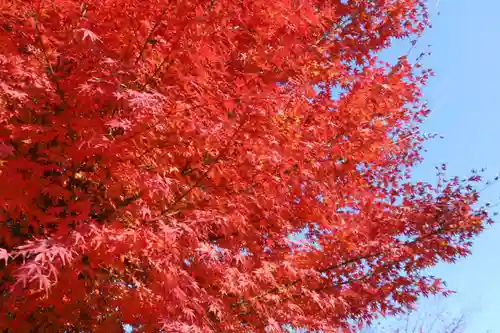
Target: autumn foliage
159, 159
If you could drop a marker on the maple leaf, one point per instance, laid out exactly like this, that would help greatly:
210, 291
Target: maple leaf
273, 326
145, 212
4, 255
6, 150
144, 100
87, 33
216, 309
13, 93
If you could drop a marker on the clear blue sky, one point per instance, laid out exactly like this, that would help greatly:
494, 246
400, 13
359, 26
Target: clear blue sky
465, 98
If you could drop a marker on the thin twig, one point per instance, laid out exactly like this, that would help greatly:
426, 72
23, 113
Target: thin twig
40, 41
51, 73
204, 175
148, 38
342, 264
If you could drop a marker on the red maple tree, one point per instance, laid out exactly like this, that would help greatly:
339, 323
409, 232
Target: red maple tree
157, 158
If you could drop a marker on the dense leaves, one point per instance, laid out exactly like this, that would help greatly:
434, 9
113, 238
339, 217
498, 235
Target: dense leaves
159, 159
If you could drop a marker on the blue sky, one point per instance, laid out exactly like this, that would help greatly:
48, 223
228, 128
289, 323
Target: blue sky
465, 98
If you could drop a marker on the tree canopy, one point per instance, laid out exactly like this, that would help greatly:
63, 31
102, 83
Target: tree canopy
159, 158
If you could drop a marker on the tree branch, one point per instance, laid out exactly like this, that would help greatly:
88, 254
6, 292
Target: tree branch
205, 174
148, 38
335, 266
